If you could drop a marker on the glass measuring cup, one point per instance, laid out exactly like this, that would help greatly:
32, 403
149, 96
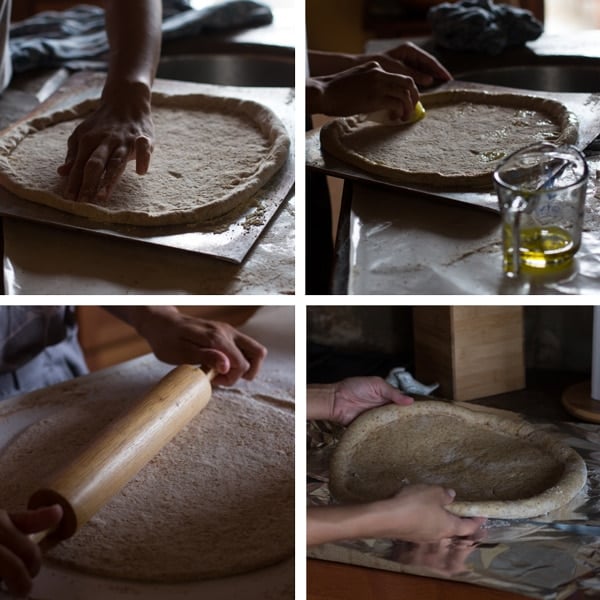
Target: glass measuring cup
541, 191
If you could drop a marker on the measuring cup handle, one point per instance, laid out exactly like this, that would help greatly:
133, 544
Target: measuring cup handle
512, 241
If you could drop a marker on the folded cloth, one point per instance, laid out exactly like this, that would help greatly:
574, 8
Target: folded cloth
482, 26
403, 380
66, 38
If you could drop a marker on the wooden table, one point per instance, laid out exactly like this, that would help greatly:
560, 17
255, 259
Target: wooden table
334, 581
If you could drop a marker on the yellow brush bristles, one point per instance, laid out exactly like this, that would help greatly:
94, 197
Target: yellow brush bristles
418, 112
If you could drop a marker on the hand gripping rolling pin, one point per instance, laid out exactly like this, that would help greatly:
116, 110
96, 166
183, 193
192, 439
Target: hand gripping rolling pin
121, 450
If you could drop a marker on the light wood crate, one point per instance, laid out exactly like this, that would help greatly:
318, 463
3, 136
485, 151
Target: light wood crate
471, 351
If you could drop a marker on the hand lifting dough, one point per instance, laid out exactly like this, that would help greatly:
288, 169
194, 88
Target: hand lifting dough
498, 467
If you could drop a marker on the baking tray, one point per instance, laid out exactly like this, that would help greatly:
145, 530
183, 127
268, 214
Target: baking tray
229, 237
586, 107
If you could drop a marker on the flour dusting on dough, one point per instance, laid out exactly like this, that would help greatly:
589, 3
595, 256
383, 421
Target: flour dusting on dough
212, 154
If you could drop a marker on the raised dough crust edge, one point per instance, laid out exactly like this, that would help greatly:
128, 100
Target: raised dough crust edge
264, 118
572, 481
333, 133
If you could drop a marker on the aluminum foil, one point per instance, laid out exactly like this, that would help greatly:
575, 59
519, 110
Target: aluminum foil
415, 245
511, 555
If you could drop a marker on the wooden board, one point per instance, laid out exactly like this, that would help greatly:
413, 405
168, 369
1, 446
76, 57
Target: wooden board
472, 351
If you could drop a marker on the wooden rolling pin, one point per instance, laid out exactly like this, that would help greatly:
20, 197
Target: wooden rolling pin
122, 449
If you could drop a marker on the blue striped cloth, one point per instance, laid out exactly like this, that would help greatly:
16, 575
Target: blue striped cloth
66, 38
38, 348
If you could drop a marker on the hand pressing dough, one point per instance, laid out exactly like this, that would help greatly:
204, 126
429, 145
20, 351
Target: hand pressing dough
459, 142
497, 466
211, 155
216, 501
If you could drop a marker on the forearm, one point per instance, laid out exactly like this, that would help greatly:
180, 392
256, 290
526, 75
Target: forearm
344, 522
315, 91
137, 315
141, 317
134, 34
320, 402
327, 63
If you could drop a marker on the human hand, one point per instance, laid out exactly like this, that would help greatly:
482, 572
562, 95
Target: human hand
408, 59
418, 514
20, 558
415, 514
355, 395
362, 89
176, 338
100, 147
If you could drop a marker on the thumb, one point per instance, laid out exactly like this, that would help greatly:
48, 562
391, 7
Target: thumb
32, 521
448, 495
214, 359
391, 394
64, 169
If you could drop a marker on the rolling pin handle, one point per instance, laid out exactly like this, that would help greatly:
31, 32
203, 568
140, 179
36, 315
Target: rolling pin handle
40, 536
68, 524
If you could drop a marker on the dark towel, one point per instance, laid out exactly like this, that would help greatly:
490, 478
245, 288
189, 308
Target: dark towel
65, 38
482, 26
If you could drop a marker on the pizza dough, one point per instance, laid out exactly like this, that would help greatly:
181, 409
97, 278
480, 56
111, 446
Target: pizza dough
217, 501
212, 154
498, 467
463, 137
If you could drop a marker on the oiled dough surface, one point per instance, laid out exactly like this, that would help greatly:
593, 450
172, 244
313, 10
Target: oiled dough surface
462, 138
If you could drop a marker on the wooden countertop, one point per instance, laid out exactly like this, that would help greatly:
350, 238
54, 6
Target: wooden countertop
334, 581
